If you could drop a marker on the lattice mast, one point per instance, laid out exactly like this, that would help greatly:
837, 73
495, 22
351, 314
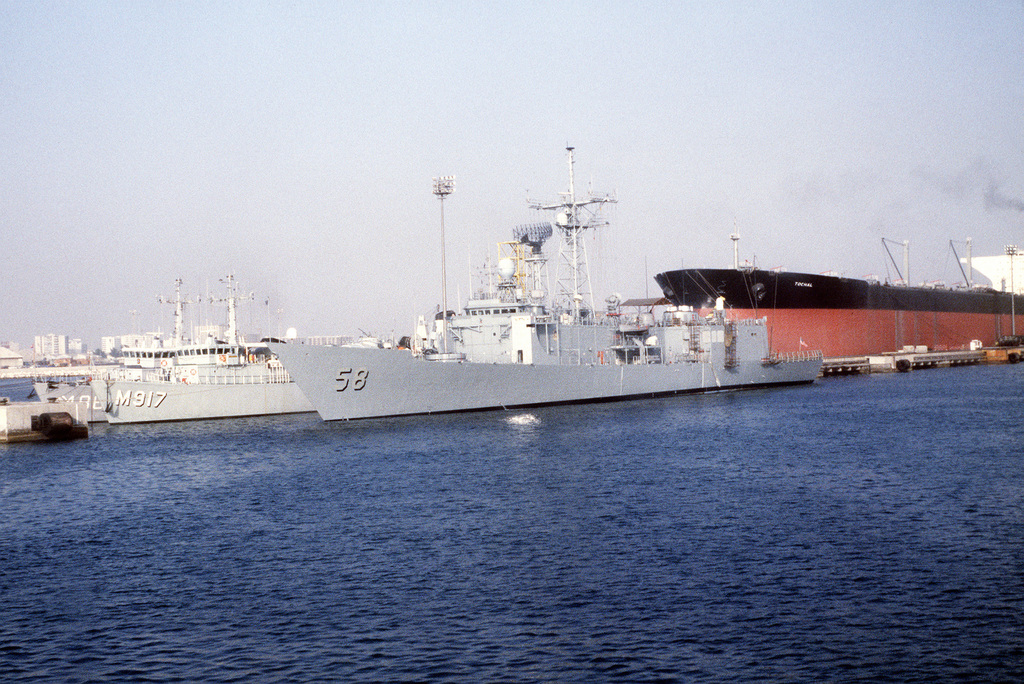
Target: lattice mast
573, 216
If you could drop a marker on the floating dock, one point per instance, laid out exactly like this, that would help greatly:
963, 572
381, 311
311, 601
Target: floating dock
37, 421
918, 358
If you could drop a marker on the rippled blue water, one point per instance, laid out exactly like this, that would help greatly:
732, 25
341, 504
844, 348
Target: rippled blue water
858, 529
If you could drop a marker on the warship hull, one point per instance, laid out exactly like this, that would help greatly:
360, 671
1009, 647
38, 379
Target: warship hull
348, 383
140, 401
81, 393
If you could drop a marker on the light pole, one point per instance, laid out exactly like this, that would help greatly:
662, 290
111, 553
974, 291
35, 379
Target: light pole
444, 186
1011, 251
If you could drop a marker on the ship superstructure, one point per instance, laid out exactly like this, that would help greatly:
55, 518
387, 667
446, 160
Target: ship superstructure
509, 347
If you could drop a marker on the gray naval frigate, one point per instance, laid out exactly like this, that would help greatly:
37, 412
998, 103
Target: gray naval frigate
511, 348
212, 378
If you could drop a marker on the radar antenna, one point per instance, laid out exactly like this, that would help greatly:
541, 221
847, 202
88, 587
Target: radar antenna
573, 216
528, 249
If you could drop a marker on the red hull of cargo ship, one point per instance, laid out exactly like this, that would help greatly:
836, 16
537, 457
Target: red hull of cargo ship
845, 316
861, 332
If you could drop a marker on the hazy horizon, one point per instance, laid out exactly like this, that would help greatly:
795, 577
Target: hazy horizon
293, 146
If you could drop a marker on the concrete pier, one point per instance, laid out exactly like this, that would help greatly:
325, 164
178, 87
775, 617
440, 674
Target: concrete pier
37, 421
918, 358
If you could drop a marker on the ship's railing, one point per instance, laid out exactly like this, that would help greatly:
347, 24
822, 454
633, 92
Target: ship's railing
792, 357
57, 374
698, 356
747, 321
269, 376
65, 378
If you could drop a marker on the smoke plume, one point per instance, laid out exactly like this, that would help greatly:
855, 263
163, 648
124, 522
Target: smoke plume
994, 199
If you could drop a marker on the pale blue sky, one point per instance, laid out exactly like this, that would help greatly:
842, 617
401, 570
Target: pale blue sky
294, 143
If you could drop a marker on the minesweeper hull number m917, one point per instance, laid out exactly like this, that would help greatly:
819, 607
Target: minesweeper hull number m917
139, 398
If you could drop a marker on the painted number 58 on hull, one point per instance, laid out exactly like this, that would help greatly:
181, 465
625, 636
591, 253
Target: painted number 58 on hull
354, 378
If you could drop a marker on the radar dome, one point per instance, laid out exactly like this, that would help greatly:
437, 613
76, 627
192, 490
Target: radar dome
291, 334
506, 268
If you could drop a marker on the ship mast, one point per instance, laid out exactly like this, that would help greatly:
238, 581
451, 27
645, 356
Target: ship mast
179, 307
573, 216
232, 299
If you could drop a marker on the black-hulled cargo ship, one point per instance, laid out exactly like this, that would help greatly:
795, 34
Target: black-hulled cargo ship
848, 316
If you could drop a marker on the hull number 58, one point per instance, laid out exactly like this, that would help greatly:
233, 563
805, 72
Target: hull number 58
354, 378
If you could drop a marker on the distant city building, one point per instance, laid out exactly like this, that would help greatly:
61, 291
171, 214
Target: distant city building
141, 340
329, 340
111, 343
202, 332
50, 346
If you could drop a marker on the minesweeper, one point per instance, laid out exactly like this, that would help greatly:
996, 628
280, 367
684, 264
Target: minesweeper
512, 348
215, 378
